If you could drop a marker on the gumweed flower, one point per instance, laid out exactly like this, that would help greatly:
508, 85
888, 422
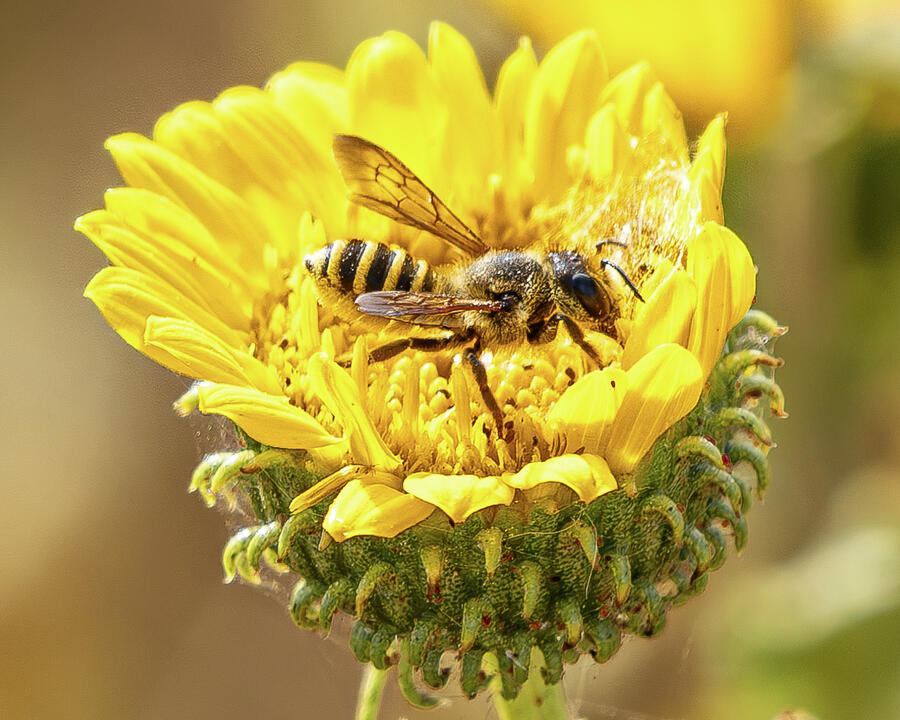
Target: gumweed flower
502, 502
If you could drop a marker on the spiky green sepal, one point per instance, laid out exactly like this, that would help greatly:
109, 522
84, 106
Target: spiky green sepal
565, 580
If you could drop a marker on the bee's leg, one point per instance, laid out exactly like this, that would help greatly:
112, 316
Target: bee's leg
474, 360
545, 331
389, 350
392, 349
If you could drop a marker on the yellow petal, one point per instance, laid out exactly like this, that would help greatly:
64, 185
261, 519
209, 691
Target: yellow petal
305, 322
245, 142
471, 138
588, 475
663, 387
373, 509
314, 97
159, 217
703, 198
268, 419
341, 395
564, 97
662, 117
145, 164
207, 356
665, 318
336, 480
511, 95
710, 154
660, 273
126, 298
725, 277
587, 409
608, 150
193, 132
626, 92
701, 201
459, 495
710, 195
300, 174
169, 260
394, 102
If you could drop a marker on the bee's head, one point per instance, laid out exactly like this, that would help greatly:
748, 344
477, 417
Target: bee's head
578, 293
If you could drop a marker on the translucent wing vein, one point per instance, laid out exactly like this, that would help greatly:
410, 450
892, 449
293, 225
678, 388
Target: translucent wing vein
380, 182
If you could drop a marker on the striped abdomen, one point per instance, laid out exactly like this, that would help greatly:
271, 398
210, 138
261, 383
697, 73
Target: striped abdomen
357, 266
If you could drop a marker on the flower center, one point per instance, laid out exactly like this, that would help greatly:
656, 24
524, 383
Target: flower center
425, 406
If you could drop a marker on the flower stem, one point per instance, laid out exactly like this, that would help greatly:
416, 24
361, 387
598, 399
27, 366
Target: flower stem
370, 691
535, 701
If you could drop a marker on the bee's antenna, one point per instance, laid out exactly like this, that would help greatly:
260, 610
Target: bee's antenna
617, 243
604, 263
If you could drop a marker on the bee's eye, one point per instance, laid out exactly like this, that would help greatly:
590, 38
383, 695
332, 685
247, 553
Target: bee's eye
590, 295
584, 285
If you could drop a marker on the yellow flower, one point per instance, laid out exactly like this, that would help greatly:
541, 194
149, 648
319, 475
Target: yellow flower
207, 276
713, 56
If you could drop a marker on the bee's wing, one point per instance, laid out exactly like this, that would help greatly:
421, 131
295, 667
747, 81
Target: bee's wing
423, 308
380, 182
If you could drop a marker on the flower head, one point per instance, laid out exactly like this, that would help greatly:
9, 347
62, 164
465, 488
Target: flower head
207, 247
212, 248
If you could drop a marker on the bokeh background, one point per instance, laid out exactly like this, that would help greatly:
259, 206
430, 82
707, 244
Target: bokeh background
111, 600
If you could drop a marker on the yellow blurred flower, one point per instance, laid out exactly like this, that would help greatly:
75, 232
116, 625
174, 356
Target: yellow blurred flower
207, 244
712, 56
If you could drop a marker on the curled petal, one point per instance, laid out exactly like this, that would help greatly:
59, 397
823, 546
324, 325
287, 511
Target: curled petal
207, 356
266, 418
338, 391
586, 410
665, 318
588, 475
725, 277
459, 495
663, 387
336, 480
708, 197
126, 298
373, 509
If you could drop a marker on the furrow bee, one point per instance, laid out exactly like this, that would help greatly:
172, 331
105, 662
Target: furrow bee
494, 299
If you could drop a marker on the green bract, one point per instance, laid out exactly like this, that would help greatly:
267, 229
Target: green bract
566, 580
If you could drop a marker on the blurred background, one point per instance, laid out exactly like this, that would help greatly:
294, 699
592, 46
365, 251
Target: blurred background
111, 600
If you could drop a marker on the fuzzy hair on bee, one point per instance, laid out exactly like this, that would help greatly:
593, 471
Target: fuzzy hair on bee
490, 300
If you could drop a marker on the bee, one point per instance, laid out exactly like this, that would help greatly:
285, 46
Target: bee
494, 299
